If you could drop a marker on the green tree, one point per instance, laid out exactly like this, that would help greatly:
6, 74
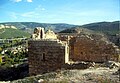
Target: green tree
1, 49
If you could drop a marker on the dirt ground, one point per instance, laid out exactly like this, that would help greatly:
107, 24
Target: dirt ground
91, 75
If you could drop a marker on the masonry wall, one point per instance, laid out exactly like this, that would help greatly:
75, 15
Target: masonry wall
45, 56
86, 49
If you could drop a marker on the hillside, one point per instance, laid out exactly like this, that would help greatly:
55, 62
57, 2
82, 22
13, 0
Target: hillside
77, 30
105, 27
20, 29
110, 28
12, 33
29, 26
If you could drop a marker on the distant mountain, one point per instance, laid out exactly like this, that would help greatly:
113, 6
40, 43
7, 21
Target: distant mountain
29, 26
20, 29
105, 27
77, 30
109, 28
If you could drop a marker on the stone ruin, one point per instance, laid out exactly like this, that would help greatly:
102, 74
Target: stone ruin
38, 33
46, 52
49, 52
93, 48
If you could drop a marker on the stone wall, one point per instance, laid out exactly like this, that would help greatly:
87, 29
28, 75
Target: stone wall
86, 48
46, 56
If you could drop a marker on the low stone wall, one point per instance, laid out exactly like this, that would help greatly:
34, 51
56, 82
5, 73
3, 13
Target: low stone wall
79, 65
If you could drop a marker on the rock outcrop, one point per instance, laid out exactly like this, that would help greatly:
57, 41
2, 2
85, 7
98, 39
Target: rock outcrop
7, 26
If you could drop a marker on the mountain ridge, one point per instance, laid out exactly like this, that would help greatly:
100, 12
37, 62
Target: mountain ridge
109, 28
31, 25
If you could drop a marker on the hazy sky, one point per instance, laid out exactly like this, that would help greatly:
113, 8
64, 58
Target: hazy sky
59, 11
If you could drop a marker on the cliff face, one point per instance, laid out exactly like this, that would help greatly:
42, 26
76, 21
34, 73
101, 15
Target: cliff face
7, 26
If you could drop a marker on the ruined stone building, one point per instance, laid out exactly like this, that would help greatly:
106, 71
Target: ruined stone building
46, 52
87, 48
49, 52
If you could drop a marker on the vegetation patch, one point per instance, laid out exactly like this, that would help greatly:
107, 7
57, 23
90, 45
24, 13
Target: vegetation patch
13, 33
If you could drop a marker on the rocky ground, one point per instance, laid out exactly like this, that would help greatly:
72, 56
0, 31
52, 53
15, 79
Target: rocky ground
96, 74
91, 75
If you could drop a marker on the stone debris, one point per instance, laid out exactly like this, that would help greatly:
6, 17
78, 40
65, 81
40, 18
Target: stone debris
111, 64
